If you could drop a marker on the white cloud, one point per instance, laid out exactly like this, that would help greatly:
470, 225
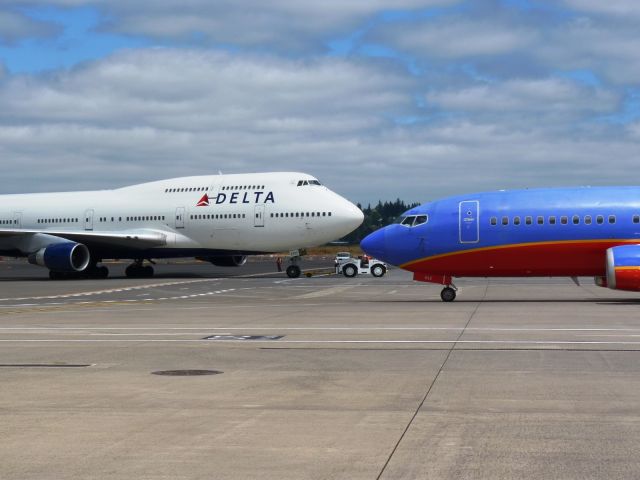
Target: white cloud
14, 26
174, 112
151, 114
609, 49
624, 8
457, 37
288, 25
156, 113
549, 97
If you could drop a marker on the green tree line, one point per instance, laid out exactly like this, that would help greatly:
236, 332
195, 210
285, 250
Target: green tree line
379, 216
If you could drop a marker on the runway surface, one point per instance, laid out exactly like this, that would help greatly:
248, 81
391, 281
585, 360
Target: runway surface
317, 378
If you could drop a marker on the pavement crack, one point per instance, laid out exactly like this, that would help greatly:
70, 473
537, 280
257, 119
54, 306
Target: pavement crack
433, 382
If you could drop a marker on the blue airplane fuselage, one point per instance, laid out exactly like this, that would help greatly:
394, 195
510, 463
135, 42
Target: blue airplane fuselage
538, 232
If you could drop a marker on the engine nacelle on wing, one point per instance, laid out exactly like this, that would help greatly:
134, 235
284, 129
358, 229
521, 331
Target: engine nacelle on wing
226, 261
623, 268
62, 257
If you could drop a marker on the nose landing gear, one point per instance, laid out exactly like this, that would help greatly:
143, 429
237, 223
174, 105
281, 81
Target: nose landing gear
294, 270
448, 293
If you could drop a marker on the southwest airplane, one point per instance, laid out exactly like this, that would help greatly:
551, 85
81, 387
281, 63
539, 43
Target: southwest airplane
544, 232
217, 218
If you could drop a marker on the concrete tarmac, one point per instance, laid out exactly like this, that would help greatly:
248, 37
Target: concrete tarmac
321, 378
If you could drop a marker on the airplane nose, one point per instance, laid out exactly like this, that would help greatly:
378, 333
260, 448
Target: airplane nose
353, 216
374, 244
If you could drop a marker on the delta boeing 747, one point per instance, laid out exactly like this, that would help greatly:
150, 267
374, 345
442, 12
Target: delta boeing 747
543, 233
217, 218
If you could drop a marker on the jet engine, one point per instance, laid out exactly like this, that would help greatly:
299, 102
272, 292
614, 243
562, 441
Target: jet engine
62, 257
226, 261
623, 268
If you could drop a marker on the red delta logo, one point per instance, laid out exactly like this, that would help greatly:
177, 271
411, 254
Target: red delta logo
204, 201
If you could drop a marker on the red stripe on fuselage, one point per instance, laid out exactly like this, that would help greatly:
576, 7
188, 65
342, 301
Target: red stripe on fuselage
565, 259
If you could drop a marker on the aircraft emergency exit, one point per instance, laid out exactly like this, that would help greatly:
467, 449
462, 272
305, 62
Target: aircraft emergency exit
544, 232
220, 218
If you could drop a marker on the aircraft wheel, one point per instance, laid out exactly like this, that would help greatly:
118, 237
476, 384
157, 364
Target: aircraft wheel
293, 271
55, 275
378, 271
147, 271
448, 294
103, 272
350, 270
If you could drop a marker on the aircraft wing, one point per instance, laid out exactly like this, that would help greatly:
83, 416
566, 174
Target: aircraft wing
142, 238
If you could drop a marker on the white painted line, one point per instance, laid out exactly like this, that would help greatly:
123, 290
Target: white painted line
276, 327
113, 290
475, 342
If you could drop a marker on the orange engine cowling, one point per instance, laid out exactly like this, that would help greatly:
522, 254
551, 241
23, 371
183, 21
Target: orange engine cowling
623, 268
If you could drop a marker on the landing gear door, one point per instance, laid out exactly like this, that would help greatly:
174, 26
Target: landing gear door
258, 216
180, 213
88, 220
469, 212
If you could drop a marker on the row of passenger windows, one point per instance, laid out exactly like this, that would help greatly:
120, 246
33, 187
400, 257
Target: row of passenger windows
142, 218
563, 220
273, 215
57, 220
300, 214
8, 222
218, 216
302, 183
244, 187
186, 189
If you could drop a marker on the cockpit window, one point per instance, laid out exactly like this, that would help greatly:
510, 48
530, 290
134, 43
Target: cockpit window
420, 219
303, 183
413, 220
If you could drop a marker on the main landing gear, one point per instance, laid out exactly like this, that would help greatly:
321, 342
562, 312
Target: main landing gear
448, 293
138, 270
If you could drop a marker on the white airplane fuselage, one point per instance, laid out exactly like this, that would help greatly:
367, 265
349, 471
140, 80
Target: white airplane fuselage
213, 215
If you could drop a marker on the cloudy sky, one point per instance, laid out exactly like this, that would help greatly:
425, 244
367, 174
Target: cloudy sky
414, 99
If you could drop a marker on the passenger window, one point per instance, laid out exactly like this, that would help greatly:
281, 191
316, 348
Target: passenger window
505, 220
552, 220
636, 219
564, 220
540, 220
493, 221
575, 219
528, 220
612, 219
516, 220
599, 219
587, 220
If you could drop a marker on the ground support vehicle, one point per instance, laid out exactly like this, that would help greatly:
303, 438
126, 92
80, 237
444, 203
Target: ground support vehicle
350, 267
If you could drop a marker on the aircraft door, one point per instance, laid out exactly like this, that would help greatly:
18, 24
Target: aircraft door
88, 219
17, 219
469, 221
180, 214
259, 216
